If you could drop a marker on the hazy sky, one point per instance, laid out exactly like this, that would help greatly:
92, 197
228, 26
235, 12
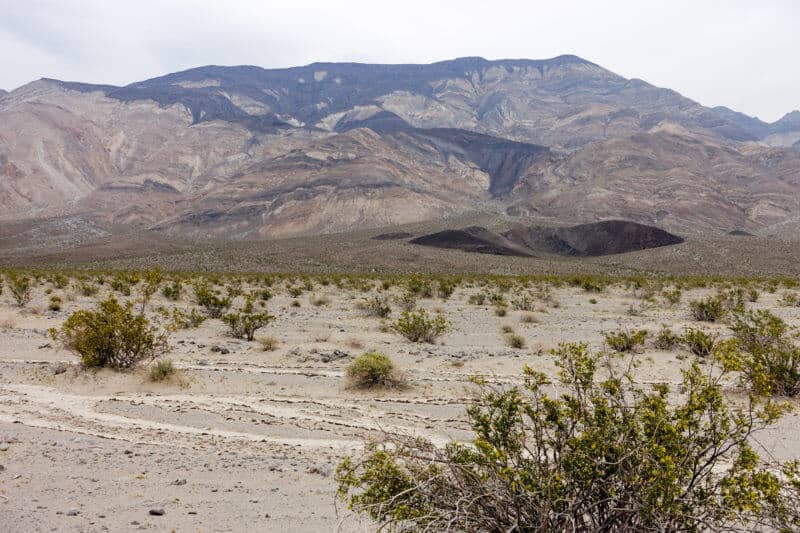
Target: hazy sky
743, 54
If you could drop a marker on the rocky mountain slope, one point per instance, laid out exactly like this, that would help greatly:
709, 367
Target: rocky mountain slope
244, 152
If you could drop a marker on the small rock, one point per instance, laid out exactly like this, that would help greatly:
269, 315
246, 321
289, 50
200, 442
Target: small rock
179, 482
60, 368
157, 512
73, 512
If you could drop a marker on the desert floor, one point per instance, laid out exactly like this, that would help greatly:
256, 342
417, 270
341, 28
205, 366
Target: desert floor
249, 439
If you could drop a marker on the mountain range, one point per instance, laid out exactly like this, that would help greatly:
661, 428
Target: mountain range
250, 153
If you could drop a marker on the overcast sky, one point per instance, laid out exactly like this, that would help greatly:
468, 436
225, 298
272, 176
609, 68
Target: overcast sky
742, 54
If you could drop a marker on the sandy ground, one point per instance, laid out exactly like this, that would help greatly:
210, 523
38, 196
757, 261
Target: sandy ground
248, 440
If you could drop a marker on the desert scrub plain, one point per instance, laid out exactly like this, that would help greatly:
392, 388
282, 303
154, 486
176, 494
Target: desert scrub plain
282, 402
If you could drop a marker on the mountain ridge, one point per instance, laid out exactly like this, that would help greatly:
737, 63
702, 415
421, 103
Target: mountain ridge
245, 152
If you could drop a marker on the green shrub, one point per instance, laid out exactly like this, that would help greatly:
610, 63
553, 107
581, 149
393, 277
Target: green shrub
183, 320
265, 295
515, 340
111, 336
699, 342
603, 454
765, 354
373, 369
419, 287
733, 299
60, 281
446, 289
88, 289
151, 280
625, 341
172, 291
243, 325
592, 285
161, 370
214, 304
524, 303
672, 296
407, 300
121, 285
790, 299
378, 306
20, 287
666, 339
712, 309
419, 326
55, 303
477, 299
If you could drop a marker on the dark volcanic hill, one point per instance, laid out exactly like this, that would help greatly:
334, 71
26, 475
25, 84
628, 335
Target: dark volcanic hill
245, 152
584, 240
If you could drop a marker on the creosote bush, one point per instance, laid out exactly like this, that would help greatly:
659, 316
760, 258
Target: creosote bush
55, 303
711, 309
214, 304
373, 369
187, 320
625, 341
764, 353
172, 291
667, 339
515, 340
699, 342
419, 326
601, 454
112, 335
378, 306
162, 370
269, 343
244, 324
20, 287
